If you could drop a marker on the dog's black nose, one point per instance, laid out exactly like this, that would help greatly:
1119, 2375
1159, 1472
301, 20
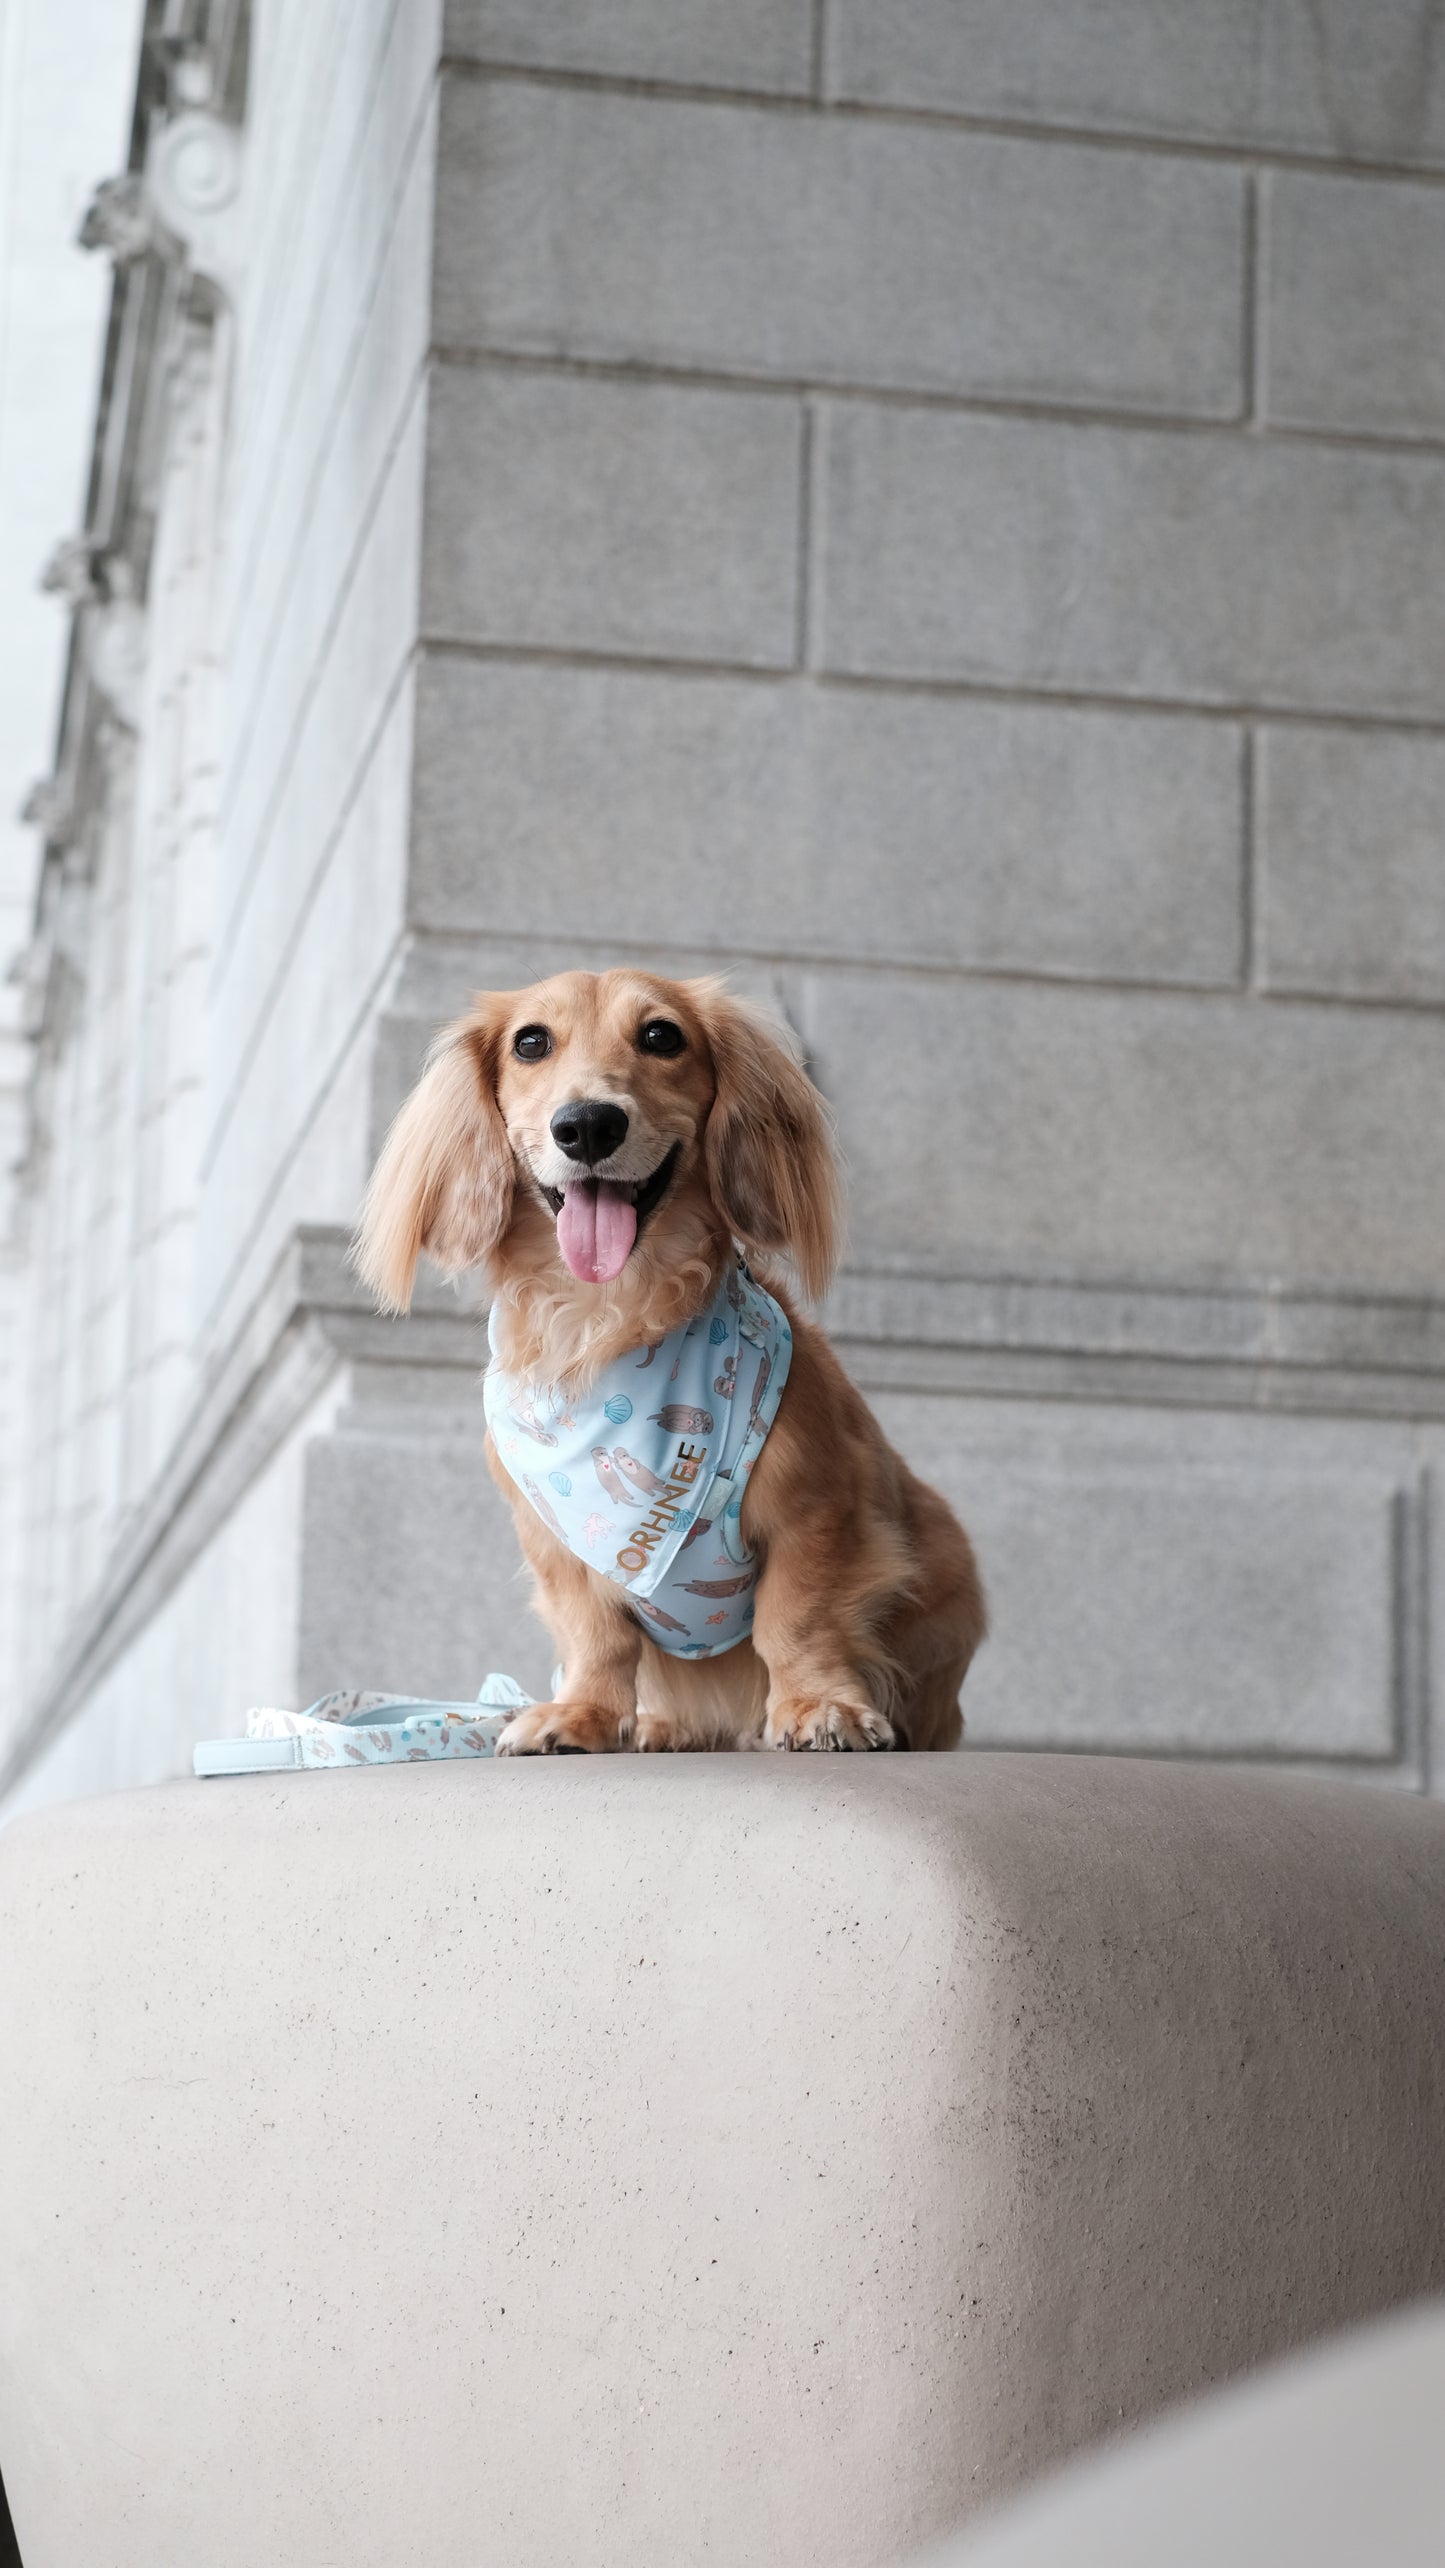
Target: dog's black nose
589, 1130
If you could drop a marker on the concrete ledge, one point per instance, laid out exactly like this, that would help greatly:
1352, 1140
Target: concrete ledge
760, 2159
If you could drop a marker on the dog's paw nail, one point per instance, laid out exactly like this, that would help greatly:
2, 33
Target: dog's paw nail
835, 1729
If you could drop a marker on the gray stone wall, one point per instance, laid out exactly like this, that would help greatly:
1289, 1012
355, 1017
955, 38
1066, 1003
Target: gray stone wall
937, 507
934, 507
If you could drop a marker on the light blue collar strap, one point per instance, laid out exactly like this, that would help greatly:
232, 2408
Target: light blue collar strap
642, 1475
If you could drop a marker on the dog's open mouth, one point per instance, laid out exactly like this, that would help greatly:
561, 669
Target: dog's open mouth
598, 1222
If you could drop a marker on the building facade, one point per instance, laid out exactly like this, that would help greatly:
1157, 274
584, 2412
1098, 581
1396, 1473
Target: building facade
936, 507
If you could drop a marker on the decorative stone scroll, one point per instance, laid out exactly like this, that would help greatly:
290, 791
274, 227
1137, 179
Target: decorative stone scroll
183, 208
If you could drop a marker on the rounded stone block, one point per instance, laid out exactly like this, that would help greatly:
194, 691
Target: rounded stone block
662, 2161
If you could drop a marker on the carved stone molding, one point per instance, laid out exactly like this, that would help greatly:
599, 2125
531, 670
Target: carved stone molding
29, 973
74, 572
199, 46
117, 658
48, 808
310, 1318
183, 208
191, 73
194, 176
122, 220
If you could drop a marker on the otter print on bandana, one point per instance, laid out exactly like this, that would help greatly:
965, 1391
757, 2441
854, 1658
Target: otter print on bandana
642, 1475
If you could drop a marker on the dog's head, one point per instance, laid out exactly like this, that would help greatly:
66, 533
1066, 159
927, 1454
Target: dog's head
604, 1130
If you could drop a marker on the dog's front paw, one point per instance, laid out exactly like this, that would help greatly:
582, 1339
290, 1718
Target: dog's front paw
656, 1735
562, 1730
830, 1724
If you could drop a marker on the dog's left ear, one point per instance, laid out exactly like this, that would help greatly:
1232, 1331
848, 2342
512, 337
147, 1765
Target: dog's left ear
769, 1142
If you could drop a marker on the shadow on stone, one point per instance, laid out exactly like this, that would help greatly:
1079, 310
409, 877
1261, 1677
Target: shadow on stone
9, 2547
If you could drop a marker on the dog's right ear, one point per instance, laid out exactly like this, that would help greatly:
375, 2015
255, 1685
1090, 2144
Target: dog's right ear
445, 1178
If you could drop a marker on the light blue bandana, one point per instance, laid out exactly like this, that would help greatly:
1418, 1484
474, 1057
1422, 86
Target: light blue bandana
642, 1475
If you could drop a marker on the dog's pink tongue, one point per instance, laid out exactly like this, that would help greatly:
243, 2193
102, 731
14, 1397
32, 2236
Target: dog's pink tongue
595, 1229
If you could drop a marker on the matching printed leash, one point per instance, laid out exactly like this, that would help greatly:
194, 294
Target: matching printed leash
367, 1729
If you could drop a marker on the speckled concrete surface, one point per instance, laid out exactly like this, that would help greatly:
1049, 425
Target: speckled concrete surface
751, 2160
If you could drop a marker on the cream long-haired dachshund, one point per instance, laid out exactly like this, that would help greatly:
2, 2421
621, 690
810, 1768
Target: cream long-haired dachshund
603, 1146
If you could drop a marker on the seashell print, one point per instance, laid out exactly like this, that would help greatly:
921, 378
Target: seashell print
618, 1409
730, 1530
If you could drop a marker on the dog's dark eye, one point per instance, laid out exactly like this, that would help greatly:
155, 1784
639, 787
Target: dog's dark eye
661, 1035
531, 1043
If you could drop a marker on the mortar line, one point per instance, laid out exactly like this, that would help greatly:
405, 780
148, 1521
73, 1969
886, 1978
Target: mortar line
1424, 1681
918, 967
641, 372
1001, 691
1249, 284
1257, 323
803, 618
819, 67
1239, 154
1249, 958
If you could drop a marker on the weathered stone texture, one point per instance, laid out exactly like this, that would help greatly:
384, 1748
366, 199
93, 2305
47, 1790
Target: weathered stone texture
841, 250
1351, 837
323, 498
1025, 1130
1136, 562
410, 1577
745, 44
1356, 292
706, 812
1229, 1591
592, 516
1344, 80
